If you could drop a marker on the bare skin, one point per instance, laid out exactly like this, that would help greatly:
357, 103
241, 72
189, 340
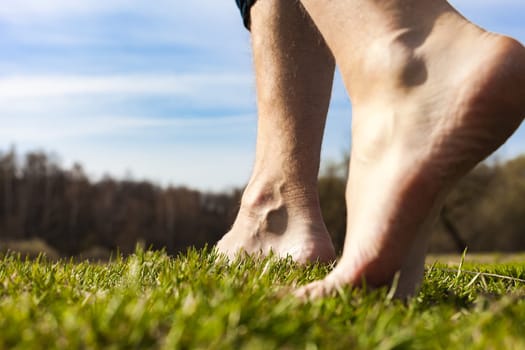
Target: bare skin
432, 96
280, 209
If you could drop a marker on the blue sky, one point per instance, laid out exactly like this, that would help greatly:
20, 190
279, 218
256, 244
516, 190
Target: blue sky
163, 92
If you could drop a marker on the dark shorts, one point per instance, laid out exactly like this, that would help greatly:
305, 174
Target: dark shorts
245, 6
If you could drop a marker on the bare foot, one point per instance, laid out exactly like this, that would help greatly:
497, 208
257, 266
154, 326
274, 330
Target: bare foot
284, 220
280, 208
427, 108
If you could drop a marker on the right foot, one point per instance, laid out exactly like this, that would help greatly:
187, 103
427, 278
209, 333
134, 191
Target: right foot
428, 106
285, 221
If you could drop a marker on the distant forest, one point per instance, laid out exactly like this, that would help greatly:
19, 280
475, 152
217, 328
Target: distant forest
71, 215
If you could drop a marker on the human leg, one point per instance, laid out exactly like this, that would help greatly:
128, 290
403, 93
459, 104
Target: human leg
432, 96
294, 72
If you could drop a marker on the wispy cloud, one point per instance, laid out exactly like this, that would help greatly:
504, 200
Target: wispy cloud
166, 96
116, 31
173, 85
181, 16
58, 128
61, 8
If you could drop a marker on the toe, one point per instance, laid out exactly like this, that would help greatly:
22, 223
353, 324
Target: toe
309, 292
316, 290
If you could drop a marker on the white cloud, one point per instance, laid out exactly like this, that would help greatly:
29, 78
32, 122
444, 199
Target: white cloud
18, 10
35, 129
56, 95
46, 86
12, 9
214, 26
30, 10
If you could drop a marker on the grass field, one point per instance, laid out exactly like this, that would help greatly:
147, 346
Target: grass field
196, 301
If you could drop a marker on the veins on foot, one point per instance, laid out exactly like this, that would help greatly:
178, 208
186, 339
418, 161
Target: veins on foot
281, 219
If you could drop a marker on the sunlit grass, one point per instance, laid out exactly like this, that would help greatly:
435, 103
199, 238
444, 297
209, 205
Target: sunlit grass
198, 301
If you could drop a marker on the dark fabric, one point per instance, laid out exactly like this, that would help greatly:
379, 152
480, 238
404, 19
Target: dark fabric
245, 6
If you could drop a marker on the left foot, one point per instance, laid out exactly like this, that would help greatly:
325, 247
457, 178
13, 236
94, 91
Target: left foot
279, 218
424, 115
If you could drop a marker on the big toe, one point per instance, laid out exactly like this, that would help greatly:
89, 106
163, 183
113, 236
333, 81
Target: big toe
318, 289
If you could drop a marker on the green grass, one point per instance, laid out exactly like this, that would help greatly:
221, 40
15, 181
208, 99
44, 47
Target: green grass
196, 301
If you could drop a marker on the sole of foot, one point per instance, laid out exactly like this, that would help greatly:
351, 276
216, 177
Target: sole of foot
426, 115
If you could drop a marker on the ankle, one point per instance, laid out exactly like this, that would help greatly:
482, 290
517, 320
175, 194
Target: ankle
264, 196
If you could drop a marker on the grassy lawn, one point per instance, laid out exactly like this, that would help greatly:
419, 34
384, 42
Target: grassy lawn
196, 301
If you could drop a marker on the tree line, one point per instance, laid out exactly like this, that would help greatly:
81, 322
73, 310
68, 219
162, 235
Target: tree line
72, 214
